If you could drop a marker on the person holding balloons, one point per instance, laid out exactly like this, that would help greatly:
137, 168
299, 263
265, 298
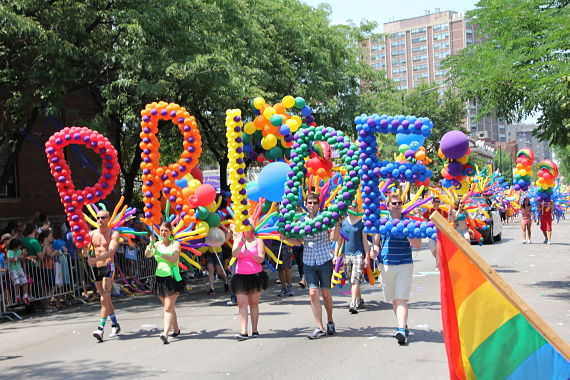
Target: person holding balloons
249, 279
545, 208
168, 282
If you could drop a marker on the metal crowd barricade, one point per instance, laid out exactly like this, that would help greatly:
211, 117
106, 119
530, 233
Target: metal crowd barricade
4, 293
134, 270
43, 282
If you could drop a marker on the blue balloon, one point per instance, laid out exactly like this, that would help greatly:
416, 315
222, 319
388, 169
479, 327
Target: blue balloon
408, 139
181, 183
252, 191
271, 181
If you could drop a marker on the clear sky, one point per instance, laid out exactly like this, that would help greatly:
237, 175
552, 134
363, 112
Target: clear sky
382, 11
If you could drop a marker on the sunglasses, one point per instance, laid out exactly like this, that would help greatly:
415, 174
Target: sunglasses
436, 202
312, 202
102, 217
396, 203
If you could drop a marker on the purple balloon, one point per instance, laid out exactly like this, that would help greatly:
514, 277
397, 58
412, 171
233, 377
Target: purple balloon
455, 168
454, 144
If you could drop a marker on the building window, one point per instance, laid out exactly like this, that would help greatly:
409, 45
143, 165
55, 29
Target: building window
440, 73
10, 190
418, 58
440, 27
419, 48
418, 30
420, 67
441, 45
398, 35
398, 43
441, 55
417, 40
402, 87
377, 47
399, 70
421, 76
396, 53
377, 57
440, 36
400, 79
378, 66
469, 41
397, 62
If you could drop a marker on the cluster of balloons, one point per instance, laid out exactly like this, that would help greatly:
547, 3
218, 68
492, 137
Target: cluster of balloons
407, 228
236, 169
404, 171
296, 174
454, 149
547, 174
410, 135
319, 164
158, 179
523, 169
270, 135
398, 125
73, 200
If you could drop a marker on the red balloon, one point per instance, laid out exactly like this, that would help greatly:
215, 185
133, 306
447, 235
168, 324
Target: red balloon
197, 173
206, 194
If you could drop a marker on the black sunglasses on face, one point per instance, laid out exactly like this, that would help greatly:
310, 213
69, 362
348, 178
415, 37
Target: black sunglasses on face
396, 203
102, 217
312, 203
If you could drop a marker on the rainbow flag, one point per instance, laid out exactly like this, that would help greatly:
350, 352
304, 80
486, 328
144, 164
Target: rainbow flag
486, 335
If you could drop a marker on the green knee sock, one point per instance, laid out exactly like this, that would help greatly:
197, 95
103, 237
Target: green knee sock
102, 322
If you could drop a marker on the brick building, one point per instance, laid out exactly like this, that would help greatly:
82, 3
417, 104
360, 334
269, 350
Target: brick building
31, 187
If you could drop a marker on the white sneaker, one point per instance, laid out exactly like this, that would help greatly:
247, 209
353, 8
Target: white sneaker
545, 241
549, 242
528, 241
524, 241
115, 330
98, 334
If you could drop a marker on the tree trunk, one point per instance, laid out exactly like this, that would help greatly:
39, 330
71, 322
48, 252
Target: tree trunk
131, 175
223, 162
13, 157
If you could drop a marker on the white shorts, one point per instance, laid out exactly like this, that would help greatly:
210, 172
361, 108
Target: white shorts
432, 245
397, 281
18, 277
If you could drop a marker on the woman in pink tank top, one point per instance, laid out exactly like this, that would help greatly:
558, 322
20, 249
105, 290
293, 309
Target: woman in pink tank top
526, 220
249, 279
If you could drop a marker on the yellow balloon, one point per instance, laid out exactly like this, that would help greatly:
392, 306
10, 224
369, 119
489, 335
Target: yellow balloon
249, 128
268, 112
202, 225
293, 125
203, 249
288, 101
194, 184
212, 207
297, 119
463, 160
258, 102
522, 172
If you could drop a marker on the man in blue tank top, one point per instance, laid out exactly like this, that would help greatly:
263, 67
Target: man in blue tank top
396, 269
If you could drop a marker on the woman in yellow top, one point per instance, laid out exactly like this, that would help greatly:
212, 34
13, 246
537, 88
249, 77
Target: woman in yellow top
168, 282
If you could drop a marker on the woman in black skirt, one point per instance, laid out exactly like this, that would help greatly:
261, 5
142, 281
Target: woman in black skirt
248, 280
168, 282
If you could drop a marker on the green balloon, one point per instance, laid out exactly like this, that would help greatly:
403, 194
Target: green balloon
265, 207
202, 213
213, 219
276, 120
299, 102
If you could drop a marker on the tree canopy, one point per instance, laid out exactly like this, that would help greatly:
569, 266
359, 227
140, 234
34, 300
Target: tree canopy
522, 65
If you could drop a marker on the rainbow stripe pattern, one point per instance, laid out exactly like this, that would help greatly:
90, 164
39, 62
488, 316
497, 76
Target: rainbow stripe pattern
486, 336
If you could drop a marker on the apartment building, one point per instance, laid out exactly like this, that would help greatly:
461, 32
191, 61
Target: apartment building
411, 51
522, 134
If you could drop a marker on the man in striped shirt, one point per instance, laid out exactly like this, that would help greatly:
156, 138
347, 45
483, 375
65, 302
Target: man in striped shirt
397, 269
318, 268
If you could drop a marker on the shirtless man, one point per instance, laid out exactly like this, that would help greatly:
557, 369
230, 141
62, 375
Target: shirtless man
105, 243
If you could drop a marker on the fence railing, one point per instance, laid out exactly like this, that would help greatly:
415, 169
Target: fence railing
70, 276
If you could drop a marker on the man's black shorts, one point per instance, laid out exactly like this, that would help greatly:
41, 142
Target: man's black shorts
102, 272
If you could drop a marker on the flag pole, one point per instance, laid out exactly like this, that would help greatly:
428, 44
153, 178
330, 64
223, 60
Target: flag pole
497, 281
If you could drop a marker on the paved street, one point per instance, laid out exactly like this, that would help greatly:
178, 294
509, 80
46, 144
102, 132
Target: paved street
57, 345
